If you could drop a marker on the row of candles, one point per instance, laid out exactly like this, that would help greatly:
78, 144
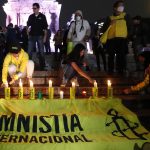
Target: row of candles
51, 91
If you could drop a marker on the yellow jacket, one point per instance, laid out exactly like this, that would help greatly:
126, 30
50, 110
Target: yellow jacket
142, 84
20, 63
119, 27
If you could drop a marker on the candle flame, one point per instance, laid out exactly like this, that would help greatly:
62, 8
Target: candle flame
50, 83
61, 92
31, 83
83, 92
73, 84
20, 83
109, 83
95, 84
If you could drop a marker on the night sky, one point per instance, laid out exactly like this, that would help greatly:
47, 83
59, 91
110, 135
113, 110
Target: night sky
94, 9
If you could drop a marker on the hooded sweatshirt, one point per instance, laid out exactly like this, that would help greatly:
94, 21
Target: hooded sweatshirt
79, 29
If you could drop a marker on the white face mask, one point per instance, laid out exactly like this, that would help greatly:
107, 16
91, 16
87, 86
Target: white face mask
78, 18
120, 9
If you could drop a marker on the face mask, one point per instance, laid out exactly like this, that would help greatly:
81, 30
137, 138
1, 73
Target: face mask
78, 18
120, 9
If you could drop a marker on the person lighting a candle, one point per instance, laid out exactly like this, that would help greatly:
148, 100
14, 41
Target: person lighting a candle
16, 64
72, 66
144, 57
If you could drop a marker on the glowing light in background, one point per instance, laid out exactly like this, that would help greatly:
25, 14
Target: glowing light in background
18, 11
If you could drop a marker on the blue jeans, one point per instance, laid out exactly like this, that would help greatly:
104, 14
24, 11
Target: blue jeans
31, 45
69, 72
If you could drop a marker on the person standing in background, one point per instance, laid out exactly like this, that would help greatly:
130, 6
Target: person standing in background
80, 32
47, 43
119, 27
58, 40
37, 31
80, 29
139, 37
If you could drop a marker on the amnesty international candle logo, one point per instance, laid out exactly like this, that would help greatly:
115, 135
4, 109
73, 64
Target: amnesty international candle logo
128, 126
49, 129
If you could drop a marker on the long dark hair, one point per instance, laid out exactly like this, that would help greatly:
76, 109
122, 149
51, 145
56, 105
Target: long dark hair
75, 54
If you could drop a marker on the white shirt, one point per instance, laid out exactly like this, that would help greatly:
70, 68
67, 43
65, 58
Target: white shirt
80, 34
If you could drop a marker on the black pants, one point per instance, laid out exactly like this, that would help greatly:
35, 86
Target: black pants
119, 47
100, 51
58, 57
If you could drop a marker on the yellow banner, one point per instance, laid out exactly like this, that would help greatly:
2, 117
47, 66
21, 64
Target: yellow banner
101, 124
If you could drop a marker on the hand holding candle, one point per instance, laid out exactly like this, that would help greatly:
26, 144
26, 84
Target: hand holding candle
32, 90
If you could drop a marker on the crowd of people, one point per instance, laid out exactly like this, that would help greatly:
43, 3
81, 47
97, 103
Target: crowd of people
17, 45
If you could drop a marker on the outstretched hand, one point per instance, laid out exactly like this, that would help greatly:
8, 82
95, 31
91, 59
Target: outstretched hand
3, 85
12, 81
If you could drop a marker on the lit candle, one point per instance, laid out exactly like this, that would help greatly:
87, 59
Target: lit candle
20, 90
72, 91
50, 90
50, 83
20, 83
109, 89
31, 84
109, 83
7, 91
84, 93
61, 94
95, 84
95, 90
73, 84
32, 90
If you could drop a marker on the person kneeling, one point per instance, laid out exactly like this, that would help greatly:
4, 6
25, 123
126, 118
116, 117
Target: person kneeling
139, 86
16, 64
73, 64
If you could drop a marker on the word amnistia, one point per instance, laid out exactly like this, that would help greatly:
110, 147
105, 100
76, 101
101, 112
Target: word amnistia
40, 124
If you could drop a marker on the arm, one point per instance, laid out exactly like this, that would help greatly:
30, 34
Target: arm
29, 25
45, 25
24, 62
141, 85
22, 68
83, 74
45, 36
71, 30
129, 26
106, 25
88, 31
5, 68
